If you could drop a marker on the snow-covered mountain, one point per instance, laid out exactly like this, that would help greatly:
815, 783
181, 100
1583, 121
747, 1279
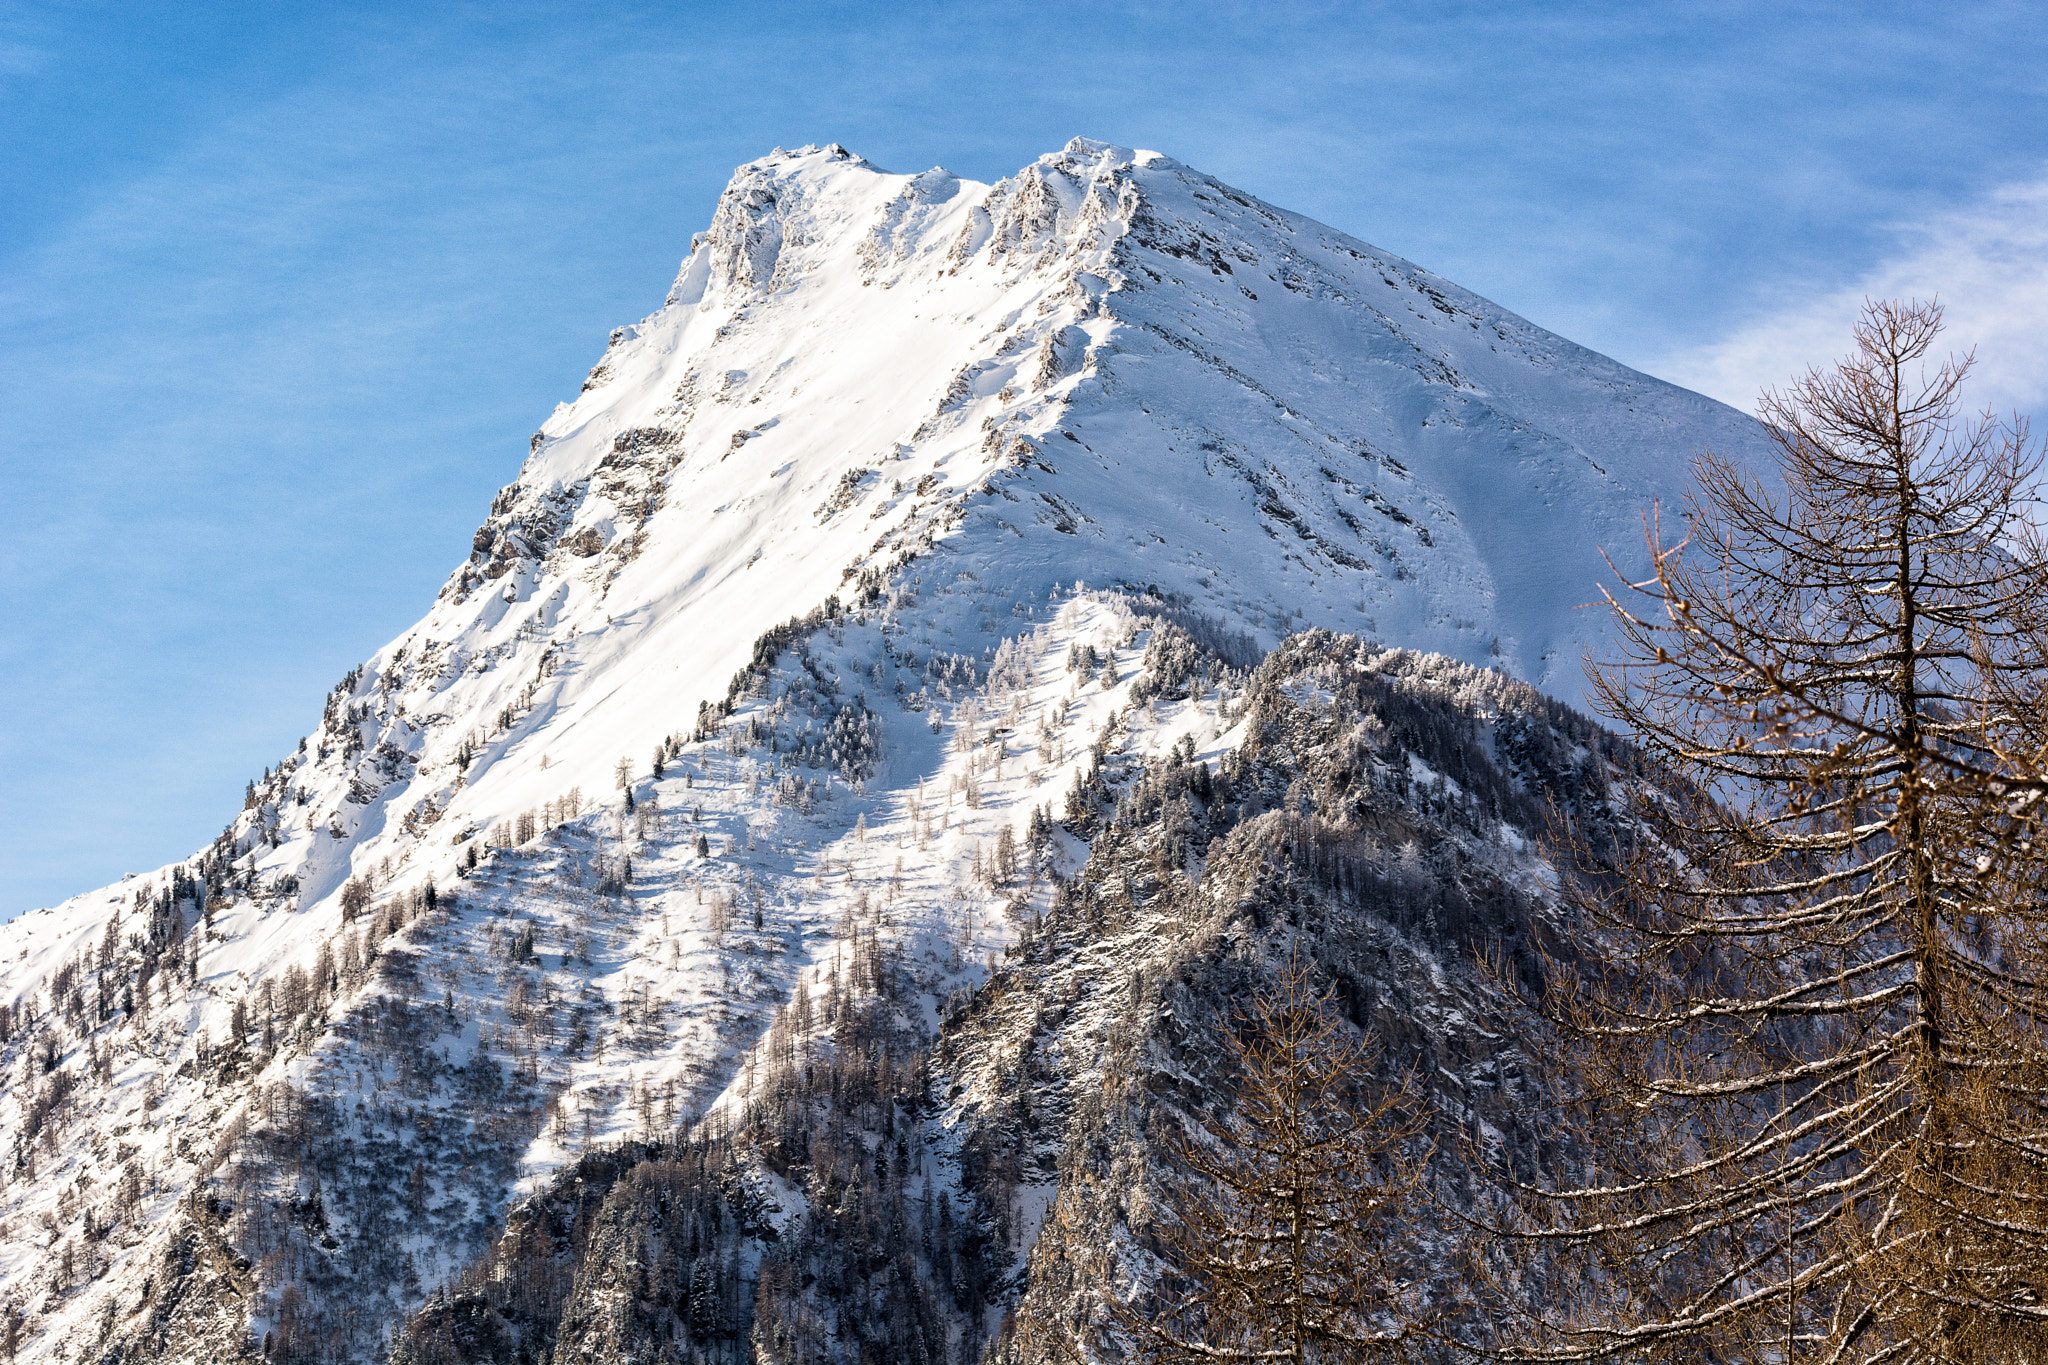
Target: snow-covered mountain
796, 626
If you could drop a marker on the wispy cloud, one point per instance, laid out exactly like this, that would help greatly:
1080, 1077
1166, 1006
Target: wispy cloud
22, 52
1987, 263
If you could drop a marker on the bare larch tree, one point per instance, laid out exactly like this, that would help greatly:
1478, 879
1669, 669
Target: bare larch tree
1281, 1237
1802, 1044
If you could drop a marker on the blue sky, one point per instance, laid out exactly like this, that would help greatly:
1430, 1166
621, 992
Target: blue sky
283, 289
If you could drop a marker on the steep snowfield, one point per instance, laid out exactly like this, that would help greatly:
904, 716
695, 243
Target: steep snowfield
925, 417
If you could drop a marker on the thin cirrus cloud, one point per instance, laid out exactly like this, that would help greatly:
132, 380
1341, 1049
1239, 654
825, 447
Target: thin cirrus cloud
1986, 262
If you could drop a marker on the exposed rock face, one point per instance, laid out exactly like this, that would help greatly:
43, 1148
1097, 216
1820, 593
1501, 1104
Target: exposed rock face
751, 722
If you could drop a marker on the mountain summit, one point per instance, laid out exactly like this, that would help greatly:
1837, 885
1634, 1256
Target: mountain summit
1186, 387
791, 662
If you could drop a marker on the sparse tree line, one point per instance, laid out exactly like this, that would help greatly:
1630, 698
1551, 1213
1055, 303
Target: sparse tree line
97, 1021
890, 1253
348, 1195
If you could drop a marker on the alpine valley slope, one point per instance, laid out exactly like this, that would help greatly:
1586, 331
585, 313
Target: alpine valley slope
977, 446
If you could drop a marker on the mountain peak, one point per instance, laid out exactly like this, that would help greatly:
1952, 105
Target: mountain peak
1094, 149
913, 499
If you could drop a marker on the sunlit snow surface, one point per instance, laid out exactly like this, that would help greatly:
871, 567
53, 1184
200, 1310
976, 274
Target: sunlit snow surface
970, 413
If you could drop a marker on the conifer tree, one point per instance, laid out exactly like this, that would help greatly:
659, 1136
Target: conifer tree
1805, 1050
1281, 1240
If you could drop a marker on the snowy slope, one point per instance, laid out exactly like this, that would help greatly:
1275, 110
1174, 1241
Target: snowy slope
923, 417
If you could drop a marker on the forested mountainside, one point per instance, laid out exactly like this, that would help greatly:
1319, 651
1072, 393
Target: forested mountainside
772, 675
893, 1183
